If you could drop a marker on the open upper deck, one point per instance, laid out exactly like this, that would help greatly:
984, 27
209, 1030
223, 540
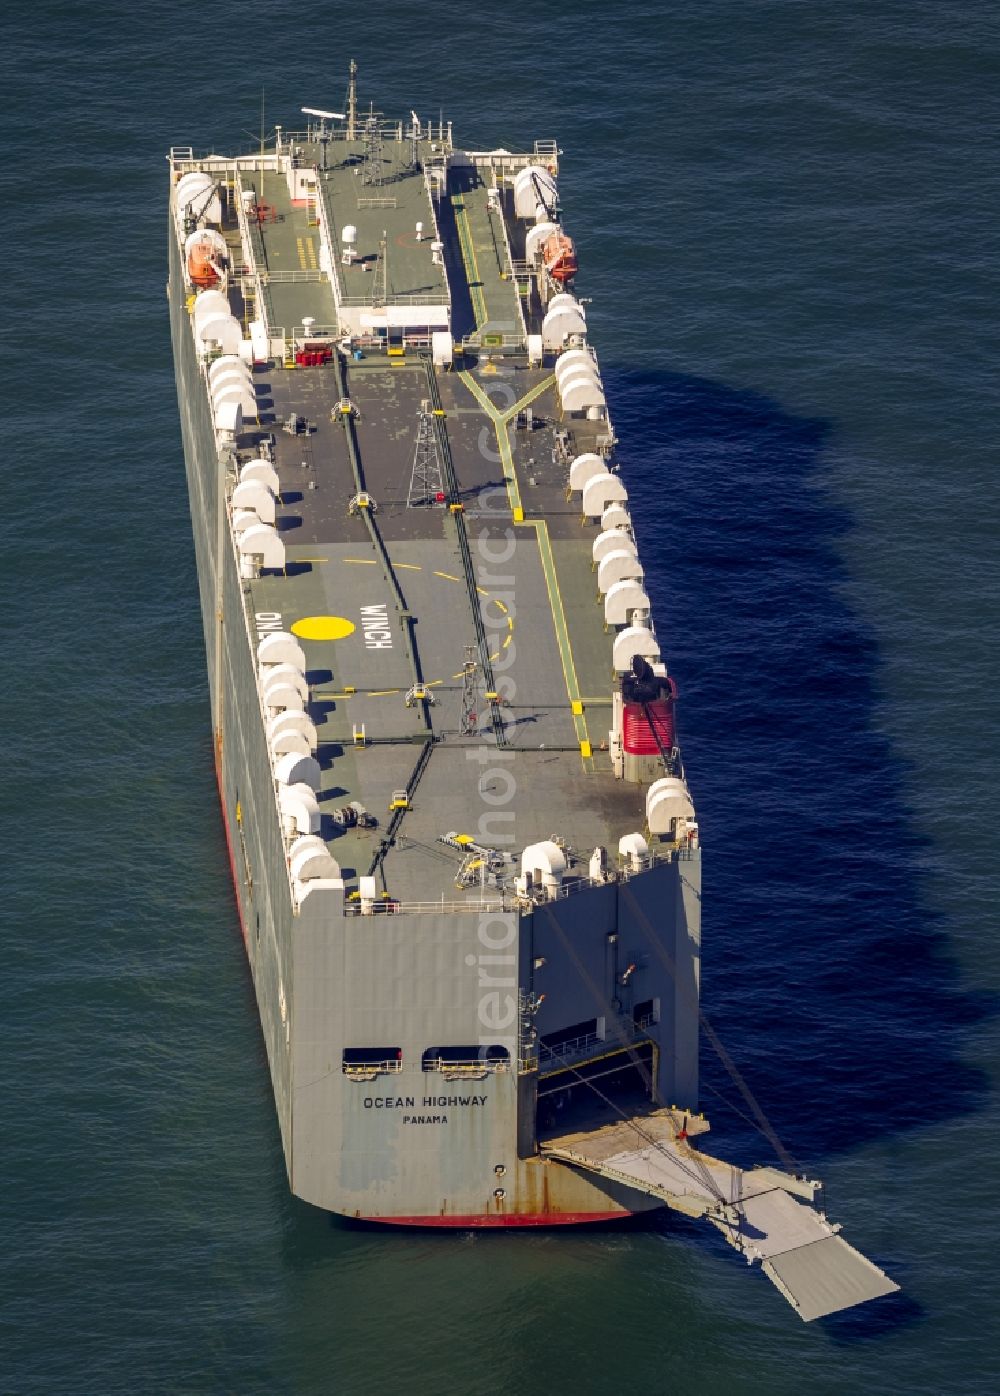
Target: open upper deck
438, 572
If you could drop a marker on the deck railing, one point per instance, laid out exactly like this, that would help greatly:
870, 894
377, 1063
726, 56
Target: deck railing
367, 1071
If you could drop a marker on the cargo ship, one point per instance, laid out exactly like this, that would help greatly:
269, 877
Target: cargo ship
464, 849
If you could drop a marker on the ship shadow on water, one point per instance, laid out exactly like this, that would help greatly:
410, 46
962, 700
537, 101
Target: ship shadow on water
826, 972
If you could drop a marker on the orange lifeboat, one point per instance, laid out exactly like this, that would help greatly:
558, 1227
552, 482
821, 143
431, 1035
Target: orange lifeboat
559, 256
202, 263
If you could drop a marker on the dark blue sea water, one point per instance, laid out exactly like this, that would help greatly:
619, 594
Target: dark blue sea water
786, 214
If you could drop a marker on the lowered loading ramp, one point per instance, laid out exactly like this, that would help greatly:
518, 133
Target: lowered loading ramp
757, 1210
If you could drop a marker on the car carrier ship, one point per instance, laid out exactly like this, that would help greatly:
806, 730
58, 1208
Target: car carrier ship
464, 850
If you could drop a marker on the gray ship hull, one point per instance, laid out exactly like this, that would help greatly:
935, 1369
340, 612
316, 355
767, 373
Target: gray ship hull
455, 1146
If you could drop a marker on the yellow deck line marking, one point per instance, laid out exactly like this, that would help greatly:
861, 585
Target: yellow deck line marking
559, 621
500, 604
506, 459
384, 692
408, 566
483, 592
447, 576
302, 254
529, 398
541, 528
506, 642
360, 561
308, 559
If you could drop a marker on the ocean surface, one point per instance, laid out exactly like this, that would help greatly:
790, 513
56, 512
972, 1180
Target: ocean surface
787, 219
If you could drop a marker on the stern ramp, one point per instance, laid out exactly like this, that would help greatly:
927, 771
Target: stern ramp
766, 1214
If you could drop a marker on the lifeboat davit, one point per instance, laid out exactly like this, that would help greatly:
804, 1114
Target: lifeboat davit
202, 261
559, 256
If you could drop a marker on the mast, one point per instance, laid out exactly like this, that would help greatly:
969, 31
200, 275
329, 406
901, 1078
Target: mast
352, 100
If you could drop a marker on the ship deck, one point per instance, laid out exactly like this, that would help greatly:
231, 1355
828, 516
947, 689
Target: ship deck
539, 605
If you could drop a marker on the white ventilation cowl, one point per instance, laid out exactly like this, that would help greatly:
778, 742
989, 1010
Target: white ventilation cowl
299, 809
253, 494
633, 640
309, 857
612, 540
279, 647
601, 491
623, 600
668, 801
292, 720
634, 850
616, 566
285, 674
263, 542
263, 471
584, 468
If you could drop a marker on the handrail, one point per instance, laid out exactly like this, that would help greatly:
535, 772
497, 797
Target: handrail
367, 1071
477, 1066
570, 1047
398, 908
280, 277
409, 298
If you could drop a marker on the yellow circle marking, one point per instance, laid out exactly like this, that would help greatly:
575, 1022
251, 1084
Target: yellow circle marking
323, 628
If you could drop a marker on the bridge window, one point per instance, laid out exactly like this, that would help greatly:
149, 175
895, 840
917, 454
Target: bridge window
474, 1058
368, 1062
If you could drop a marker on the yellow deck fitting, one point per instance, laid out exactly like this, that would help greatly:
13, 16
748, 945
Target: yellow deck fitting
585, 749
577, 708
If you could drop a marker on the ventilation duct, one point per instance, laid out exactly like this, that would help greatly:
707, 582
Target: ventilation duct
278, 647
584, 468
633, 640
617, 566
600, 491
294, 769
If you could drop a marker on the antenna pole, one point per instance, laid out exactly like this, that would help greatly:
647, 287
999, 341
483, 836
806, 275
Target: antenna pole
352, 100
426, 477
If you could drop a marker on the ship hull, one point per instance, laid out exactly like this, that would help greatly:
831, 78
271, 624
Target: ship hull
378, 1151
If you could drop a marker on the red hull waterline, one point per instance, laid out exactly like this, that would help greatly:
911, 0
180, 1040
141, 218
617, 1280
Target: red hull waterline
464, 1223
525, 1219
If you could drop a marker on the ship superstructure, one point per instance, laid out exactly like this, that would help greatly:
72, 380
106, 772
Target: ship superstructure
464, 848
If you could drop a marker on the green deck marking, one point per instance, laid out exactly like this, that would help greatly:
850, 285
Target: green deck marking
469, 259
499, 420
507, 461
529, 398
559, 621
